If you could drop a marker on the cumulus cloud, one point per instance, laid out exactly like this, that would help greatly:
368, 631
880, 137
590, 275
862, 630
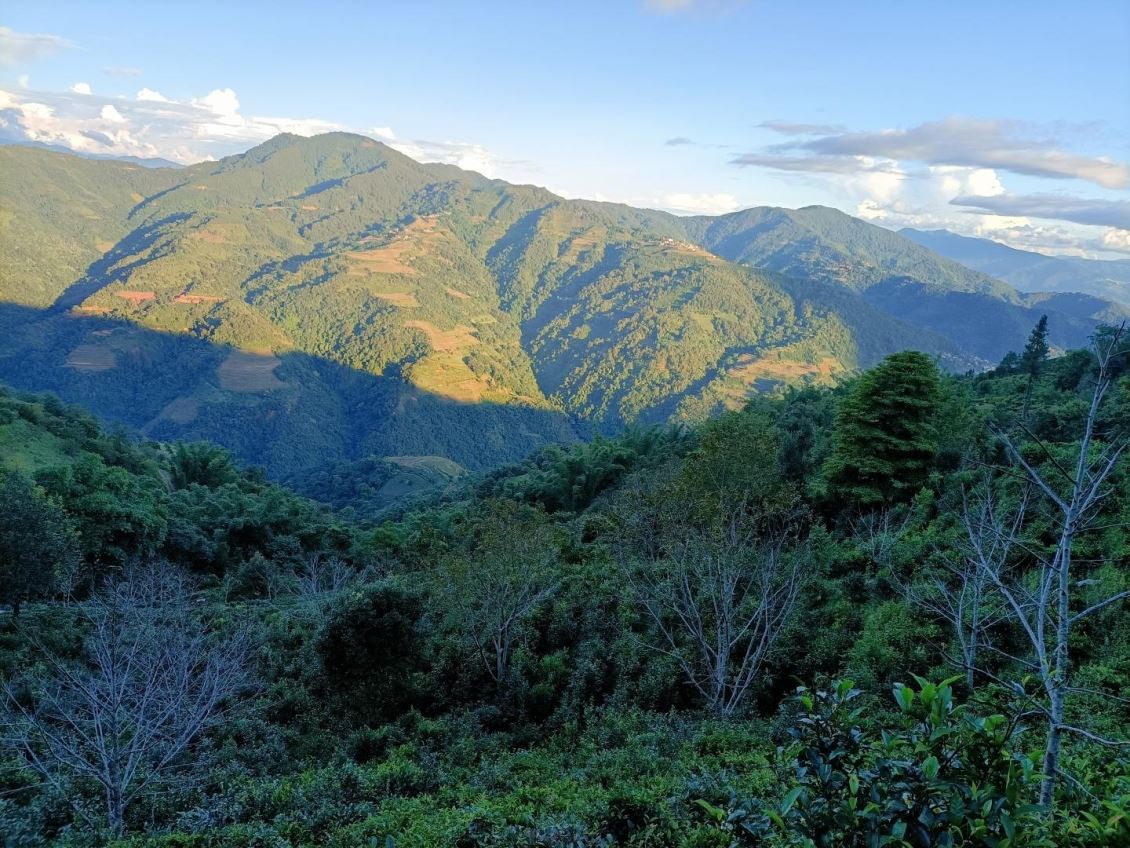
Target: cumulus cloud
151, 125
17, 48
699, 204
384, 132
966, 142
111, 115
462, 154
1117, 241
1079, 210
81, 88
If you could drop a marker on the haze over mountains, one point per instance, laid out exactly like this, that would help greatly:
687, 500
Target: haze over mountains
339, 300
1028, 271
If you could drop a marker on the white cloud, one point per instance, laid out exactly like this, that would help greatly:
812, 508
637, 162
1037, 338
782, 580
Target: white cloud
111, 115
81, 88
384, 132
462, 154
956, 141
222, 102
151, 96
151, 125
1117, 240
19, 47
23, 80
1080, 210
699, 204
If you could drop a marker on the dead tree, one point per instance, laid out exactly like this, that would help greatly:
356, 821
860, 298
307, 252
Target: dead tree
960, 590
490, 592
153, 680
1050, 603
327, 576
718, 598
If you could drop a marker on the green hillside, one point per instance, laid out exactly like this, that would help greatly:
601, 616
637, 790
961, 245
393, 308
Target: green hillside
328, 299
771, 630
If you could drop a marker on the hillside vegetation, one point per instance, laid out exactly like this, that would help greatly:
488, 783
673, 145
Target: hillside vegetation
339, 301
599, 645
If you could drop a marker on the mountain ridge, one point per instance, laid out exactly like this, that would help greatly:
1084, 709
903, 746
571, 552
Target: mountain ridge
1030, 271
433, 279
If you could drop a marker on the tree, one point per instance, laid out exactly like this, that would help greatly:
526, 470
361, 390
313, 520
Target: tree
1048, 605
38, 546
960, 590
369, 648
716, 583
490, 591
1034, 356
120, 515
153, 678
1036, 350
885, 440
201, 463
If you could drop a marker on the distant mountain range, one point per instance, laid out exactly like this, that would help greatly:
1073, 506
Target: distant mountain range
143, 161
327, 299
1029, 271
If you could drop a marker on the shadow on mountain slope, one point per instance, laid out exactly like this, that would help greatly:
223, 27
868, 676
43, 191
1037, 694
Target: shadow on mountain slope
285, 412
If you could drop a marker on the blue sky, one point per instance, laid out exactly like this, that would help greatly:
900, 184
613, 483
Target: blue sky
1006, 119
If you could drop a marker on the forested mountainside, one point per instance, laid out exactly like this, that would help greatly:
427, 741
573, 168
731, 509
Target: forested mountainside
599, 645
338, 300
1108, 279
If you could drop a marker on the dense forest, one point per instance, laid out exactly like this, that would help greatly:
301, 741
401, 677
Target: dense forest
893, 612
328, 299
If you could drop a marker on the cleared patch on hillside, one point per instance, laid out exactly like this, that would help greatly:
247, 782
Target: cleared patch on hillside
445, 372
249, 372
208, 236
461, 295
181, 410
419, 474
137, 296
445, 341
763, 373
413, 242
185, 297
92, 357
404, 300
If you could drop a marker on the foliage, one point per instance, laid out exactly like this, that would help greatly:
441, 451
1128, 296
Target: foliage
885, 440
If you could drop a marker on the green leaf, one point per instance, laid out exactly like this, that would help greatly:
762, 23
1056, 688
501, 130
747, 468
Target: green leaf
790, 799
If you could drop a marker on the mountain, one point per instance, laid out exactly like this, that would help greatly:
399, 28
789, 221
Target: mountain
1028, 271
327, 299
143, 161
984, 316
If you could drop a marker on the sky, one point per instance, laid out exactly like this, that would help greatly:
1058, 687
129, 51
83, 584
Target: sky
1009, 119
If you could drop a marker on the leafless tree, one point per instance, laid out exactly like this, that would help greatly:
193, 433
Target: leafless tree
718, 599
960, 590
327, 575
491, 591
153, 680
1046, 605
880, 532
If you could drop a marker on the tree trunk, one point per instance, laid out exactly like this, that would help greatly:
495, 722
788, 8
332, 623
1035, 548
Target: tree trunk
116, 811
1051, 750
1057, 686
